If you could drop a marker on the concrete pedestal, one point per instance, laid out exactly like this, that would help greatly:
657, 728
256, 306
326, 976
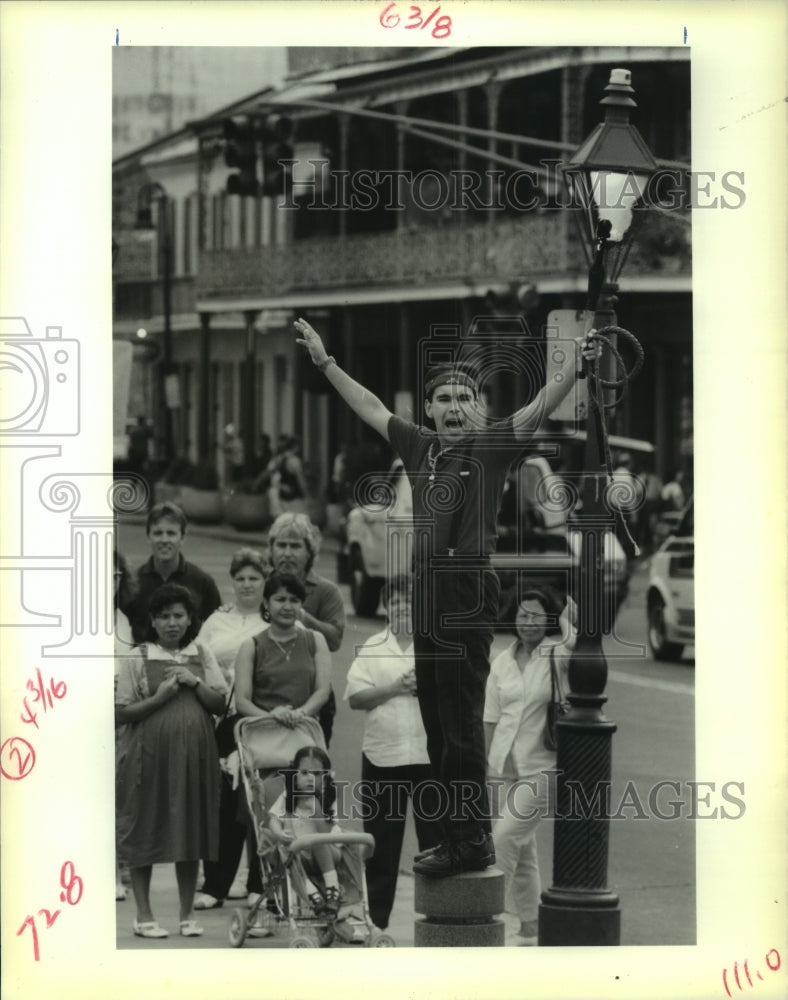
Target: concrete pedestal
460, 911
560, 926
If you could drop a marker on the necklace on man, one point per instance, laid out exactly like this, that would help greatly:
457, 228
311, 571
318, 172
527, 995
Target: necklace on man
432, 461
286, 652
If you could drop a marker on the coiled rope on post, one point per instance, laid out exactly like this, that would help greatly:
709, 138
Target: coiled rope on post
596, 396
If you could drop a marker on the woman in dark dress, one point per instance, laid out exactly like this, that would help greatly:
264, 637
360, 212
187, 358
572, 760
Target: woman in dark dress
168, 777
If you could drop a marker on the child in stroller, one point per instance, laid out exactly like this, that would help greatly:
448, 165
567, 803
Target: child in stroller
312, 871
306, 806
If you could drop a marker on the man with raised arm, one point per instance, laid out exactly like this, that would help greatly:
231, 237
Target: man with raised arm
457, 473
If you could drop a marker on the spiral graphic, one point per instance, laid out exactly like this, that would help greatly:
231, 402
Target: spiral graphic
505, 355
444, 495
624, 494
374, 489
60, 494
556, 494
24, 381
128, 495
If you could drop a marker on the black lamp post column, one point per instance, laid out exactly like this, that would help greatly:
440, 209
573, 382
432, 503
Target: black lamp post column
249, 418
608, 176
579, 908
166, 366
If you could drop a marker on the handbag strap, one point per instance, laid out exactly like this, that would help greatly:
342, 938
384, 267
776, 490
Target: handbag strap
554, 685
227, 705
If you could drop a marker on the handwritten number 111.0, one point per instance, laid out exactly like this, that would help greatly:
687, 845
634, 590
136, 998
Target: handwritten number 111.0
441, 28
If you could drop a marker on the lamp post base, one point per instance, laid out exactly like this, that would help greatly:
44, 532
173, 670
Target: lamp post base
567, 919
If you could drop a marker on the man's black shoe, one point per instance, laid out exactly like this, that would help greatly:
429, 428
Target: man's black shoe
429, 850
458, 856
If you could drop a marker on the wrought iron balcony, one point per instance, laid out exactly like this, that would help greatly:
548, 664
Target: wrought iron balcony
496, 250
540, 244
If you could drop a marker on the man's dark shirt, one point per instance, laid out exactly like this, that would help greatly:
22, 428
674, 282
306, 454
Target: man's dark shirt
324, 602
202, 586
474, 470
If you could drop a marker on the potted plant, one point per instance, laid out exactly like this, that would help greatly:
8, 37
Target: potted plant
246, 504
200, 496
169, 484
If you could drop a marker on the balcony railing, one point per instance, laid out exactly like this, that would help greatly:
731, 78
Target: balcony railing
499, 250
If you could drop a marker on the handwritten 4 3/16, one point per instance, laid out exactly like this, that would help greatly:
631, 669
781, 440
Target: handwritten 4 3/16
72, 893
441, 28
43, 694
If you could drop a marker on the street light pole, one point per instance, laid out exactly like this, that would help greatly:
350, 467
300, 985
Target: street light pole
608, 176
166, 367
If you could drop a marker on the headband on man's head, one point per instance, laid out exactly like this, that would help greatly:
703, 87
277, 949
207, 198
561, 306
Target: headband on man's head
449, 375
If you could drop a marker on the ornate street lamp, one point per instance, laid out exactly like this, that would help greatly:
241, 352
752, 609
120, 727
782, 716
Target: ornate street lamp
607, 177
148, 194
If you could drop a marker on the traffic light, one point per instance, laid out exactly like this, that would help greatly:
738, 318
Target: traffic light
240, 151
277, 134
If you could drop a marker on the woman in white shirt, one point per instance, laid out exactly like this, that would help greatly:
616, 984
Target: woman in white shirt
515, 714
225, 630
223, 633
394, 764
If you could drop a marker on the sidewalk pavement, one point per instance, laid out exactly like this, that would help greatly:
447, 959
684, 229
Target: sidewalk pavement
164, 897
164, 903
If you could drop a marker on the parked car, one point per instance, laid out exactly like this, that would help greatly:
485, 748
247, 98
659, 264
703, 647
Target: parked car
543, 549
553, 558
670, 596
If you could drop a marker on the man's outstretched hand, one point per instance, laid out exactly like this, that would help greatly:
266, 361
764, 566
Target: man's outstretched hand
310, 339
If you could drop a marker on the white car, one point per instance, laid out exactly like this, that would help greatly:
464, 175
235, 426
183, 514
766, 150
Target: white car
670, 596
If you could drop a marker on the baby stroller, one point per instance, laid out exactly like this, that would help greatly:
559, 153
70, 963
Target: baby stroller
264, 748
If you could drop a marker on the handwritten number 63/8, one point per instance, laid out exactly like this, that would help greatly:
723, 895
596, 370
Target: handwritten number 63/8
441, 28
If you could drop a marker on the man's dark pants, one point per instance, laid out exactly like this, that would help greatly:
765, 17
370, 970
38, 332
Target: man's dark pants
386, 791
219, 874
455, 610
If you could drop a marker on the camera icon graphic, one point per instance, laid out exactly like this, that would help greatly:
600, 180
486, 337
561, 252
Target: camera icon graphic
39, 381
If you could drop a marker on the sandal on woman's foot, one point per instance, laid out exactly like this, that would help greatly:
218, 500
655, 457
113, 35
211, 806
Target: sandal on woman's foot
190, 928
333, 898
149, 929
204, 901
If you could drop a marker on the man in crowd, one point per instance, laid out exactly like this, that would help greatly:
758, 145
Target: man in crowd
166, 529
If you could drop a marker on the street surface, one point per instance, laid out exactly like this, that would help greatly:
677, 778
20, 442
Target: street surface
651, 860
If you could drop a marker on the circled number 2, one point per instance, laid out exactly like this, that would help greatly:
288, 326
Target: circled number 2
441, 26
17, 758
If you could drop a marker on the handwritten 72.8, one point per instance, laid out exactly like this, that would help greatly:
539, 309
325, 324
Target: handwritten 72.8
441, 28
72, 893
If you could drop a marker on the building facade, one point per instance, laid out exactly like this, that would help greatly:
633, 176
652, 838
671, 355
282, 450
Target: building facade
406, 219
156, 89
